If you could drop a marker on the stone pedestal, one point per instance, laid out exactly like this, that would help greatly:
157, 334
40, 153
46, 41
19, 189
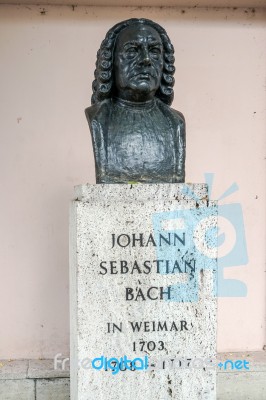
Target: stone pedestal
143, 292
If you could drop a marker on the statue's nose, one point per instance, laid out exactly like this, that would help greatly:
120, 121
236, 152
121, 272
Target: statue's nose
147, 61
145, 57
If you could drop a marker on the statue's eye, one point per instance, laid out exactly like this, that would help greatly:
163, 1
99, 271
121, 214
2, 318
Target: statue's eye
155, 51
131, 51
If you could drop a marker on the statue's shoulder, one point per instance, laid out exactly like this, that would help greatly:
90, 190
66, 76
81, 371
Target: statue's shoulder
98, 112
176, 116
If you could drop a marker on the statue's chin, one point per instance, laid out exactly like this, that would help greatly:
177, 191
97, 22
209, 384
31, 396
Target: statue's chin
138, 91
144, 89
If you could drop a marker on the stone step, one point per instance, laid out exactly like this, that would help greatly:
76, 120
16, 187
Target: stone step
39, 380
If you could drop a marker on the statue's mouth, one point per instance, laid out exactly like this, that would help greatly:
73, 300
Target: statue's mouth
144, 75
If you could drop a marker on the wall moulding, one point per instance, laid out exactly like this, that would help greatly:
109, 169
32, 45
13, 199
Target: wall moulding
144, 3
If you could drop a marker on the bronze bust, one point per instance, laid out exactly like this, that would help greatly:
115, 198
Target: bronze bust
136, 136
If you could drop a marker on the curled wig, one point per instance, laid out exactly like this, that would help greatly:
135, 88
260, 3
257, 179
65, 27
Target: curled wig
103, 84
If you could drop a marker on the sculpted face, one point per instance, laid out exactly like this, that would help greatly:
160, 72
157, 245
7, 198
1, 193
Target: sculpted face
138, 63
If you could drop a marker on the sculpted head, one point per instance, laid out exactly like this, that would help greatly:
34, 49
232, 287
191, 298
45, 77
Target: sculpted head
135, 62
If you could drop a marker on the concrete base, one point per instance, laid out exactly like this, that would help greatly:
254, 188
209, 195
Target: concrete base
140, 257
33, 380
22, 389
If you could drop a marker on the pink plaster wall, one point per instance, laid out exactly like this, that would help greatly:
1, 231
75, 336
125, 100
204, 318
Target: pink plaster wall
47, 64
